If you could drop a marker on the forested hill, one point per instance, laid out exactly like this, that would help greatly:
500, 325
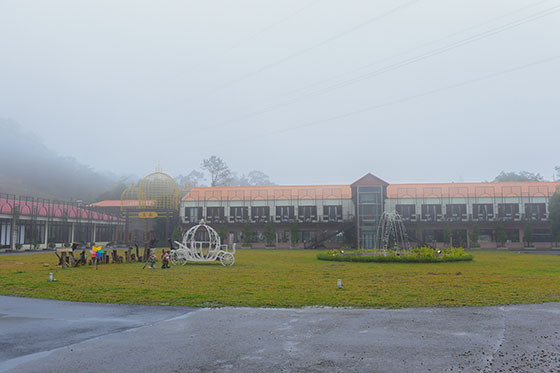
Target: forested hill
28, 167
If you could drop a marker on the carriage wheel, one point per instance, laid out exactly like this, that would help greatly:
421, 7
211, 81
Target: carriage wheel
173, 258
227, 259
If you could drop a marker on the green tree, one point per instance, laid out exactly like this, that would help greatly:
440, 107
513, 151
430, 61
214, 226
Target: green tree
294, 233
448, 236
473, 235
177, 234
269, 233
223, 233
521, 176
554, 216
248, 233
501, 235
220, 174
528, 234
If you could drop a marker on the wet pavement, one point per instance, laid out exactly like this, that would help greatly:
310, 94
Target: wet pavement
50, 336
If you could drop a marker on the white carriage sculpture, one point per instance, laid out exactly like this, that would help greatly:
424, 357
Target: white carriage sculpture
202, 243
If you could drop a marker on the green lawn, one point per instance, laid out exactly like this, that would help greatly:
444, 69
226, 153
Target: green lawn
293, 278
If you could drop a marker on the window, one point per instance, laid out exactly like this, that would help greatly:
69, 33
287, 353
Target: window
238, 214
508, 211
332, 212
487, 235
512, 235
407, 212
237, 236
193, 214
5, 230
104, 233
306, 236
307, 214
535, 211
370, 197
542, 235
483, 211
260, 213
285, 213
284, 236
456, 212
433, 235
369, 212
431, 212
215, 214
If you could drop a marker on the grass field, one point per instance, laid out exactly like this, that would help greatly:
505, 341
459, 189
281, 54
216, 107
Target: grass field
293, 278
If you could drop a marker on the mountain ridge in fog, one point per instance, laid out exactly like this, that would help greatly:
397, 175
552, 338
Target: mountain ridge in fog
28, 167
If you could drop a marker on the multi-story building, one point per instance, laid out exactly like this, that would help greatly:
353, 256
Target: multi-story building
309, 216
300, 214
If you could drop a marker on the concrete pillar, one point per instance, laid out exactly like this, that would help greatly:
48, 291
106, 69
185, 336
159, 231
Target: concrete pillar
46, 234
13, 234
94, 236
72, 232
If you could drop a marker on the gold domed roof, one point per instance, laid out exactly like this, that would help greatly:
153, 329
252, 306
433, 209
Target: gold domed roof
158, 191
129, 198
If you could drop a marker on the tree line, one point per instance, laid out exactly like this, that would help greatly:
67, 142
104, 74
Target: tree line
220, 174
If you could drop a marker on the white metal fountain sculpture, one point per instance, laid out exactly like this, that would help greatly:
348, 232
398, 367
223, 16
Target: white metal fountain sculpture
391, 232
202, 243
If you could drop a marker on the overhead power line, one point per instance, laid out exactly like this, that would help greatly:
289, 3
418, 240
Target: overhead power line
423, 45
405, 99
394, 66
263, 30
309, 48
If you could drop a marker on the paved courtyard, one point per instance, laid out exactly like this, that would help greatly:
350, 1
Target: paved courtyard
53, 336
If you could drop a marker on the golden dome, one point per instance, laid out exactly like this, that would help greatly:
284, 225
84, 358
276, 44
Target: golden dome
158, 191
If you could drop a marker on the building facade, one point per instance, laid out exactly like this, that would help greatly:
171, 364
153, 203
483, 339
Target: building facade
330, 215
33, 223
300, 215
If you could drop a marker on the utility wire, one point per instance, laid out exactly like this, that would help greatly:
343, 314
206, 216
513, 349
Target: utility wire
397, 65
257, 33
423, 45
443, 49
408, 98
273, 25
309, 48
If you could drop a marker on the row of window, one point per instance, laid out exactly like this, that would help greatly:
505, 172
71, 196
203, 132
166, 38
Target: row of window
480, 211
29, 232
262, 214
459, 237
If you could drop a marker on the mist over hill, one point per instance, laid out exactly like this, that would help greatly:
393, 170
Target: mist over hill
28, 167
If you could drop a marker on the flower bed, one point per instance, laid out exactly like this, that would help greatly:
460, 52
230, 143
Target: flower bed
416, 255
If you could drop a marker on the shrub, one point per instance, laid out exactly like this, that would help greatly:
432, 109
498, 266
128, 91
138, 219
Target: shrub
66, 244
18, 246
52, 245
416, 255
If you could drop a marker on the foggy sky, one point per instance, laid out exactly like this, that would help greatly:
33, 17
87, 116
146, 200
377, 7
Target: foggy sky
456, 91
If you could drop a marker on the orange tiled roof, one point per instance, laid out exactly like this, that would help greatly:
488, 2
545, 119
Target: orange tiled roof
273, 192
458, 190
119, 203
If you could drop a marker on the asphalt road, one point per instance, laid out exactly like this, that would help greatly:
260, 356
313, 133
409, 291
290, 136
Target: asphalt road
51, 336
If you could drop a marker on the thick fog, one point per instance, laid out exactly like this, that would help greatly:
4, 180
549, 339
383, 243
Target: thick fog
309, 92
